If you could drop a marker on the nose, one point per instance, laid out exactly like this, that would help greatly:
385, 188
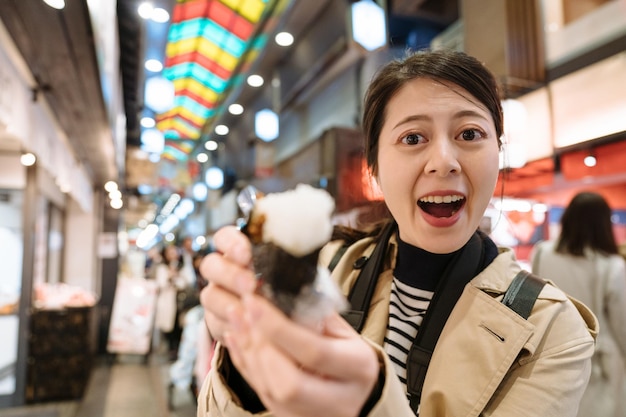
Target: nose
442, 157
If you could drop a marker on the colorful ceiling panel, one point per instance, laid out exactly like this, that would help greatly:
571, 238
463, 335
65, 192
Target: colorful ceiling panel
207, 43
177, 150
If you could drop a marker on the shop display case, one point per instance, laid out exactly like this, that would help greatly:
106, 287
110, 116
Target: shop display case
60, 354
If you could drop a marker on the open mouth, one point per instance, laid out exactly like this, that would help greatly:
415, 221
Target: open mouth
441, 206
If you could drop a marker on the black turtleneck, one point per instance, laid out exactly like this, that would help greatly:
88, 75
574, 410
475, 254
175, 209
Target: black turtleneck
422, 269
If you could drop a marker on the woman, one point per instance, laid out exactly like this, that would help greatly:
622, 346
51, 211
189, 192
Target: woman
432, 124
584, 261
171, 278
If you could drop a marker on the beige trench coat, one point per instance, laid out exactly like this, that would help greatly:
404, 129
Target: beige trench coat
488, 361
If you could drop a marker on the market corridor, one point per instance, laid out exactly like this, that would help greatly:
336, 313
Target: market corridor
124, 386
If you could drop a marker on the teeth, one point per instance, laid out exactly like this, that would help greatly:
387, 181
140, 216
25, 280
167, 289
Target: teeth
438, 199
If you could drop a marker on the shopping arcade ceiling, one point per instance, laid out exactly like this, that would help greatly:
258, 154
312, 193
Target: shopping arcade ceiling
207, 51
59, 48
202, 71
209, 43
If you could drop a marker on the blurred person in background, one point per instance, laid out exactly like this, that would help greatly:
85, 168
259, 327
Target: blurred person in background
153, 259
188, 254
584, 262
171, 279
196, 347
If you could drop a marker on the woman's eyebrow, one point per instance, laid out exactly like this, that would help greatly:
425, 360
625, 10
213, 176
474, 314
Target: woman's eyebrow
458, 115
469, 113
412, 118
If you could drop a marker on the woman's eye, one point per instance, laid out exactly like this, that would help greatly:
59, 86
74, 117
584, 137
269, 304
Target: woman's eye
471, 134
412, 139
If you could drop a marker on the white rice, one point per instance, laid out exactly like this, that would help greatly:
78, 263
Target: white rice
298, 220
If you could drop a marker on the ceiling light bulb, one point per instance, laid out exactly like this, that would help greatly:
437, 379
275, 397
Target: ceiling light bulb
590, 161
369, 24
214, 178
159, 94
160, 15
255, 80
284, 38
147, 122
145, 10
222, 130
200, 191
117, 204
57, 4
115, 194
211, 145
235, 109
202, 157
110, 186
152, 140
28, 159
153, 65
266, 125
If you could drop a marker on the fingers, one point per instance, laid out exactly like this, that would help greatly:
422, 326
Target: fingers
234, 244
223, 271
287, 388
228, 267
343, 355
217, 302
229, 279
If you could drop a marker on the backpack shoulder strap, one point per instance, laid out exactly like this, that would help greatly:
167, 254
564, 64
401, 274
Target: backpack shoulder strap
523, 292
519, 297
360, 296
337, 257
465, 265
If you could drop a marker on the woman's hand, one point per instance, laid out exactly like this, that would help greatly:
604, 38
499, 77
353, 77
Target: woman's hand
229, 275
295, 370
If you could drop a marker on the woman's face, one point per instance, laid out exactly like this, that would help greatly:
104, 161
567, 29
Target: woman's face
437, 163
171, 253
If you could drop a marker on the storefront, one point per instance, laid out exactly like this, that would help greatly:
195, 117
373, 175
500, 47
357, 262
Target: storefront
48, 225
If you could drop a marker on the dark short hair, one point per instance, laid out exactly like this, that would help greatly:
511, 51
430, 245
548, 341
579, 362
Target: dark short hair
586, 223
442, 65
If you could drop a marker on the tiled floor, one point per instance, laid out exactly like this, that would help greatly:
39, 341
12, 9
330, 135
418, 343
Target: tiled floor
127, 386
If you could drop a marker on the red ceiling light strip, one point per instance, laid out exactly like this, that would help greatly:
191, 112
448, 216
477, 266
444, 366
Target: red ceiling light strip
188, 120
227, 18
209, 64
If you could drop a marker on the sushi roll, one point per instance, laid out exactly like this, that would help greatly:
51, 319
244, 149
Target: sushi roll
287, 231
